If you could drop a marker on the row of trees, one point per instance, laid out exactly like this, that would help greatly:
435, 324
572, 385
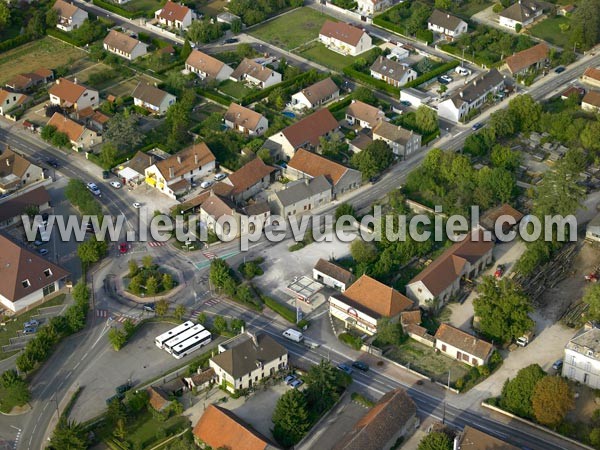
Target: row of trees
256, 11
296, 411
92, 250
223, 278
43, 344
147, 279
57, 138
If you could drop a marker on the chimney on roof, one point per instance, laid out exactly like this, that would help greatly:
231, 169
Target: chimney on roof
171, 172
461, 94
196, 158
75, 80
253, 337
447, 16
179, 159
7, 162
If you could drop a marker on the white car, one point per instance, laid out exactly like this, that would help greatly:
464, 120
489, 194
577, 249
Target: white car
220, 176
462, 71
137, 205
206, 184
115, 184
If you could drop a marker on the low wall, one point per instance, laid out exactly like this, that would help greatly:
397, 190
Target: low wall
164, 32
417, 207
353, 14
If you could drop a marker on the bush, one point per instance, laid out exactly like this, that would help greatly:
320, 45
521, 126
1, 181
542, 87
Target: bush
285, 312
15, 42
425, 36
353, 341
115, 9
498, 8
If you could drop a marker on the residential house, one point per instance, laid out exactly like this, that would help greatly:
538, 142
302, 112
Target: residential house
441, 279
370, 7
522, 12
255, 73
307, 164
345, 38
462, 346
246, 359
565, 10
471, 96
415, 97
157, 398
592, 229
361, 142
11, 100
366, 302
219, 214
202, 379
393, 419
591, 76
71, 94
500, 216
15, 206
578, 92
250, 179
301, 196
26, 81
207, 67
332, 275
220, 428
533, 58
363, 115
446, 24
245, 120
17, 171
173, 176
173, 15
81, 138
135, 169
70, 17
474, 439
124, 45
303, 134
411, 325
591, 101
582, 357
392, 72
153, 99
403, 142
98, 121
316, 95
27, 278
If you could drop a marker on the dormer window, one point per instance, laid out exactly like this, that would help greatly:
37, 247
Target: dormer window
48, 273
25, 283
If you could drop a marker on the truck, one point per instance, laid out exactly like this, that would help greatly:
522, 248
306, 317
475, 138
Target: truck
293, 335
525, 339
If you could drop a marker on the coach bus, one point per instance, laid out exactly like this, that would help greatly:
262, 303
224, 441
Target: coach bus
163, 338
192, 344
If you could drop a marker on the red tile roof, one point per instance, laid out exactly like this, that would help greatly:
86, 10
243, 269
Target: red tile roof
526, 58
592, 98
463, 341
377, 297
316, 165
311, 128
341, 31
173, 11
67, 90
248, 175
186, 160
593, 73
67, 126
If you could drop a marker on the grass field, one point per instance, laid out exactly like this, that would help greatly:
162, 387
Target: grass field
44, 53
9, 330
235, 89
548, 30
146, 6
320, 54
126, 87
293, 29
211, 8
424, 360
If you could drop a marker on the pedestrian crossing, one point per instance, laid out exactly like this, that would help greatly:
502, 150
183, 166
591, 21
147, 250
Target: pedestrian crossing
209, 255
102, 313
123, 318
156, 244
211, 302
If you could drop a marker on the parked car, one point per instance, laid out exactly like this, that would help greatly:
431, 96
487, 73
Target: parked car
557, 364
296, 383
115, 184
361, 366
289, 379
462, 71
477, 126
123, 247
52, 163
525, 339
559, 69
445, 79
106, 174
499, 271
231, 41
220, 176
150, 307
405, 103
37, 243
137, 205
31, 324
43, 251
206, 184
344, 368
29, 330
123, 388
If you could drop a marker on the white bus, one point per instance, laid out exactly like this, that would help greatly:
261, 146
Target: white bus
160, 340
192, 344
168, 346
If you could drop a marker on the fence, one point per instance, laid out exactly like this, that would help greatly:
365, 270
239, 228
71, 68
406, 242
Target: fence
164, 32
353, 14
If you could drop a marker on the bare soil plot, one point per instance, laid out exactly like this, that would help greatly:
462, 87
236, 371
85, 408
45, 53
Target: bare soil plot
44, 53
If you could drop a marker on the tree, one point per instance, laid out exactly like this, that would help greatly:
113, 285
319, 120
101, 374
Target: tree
345, 209
51, 17
167, 281
137, 400
388, 332
116, 411
108, 156
363, 252
128, 327
201, 318
502, 309
323, 382
185, 50
505, 158
244, 50
147, 262
68, 435
178, 119
443, 88
516, 393
133, 268
237, 325
91, 250
220, 324
236, 26
364, 95
427, 119
265, 155
204, 31
377, 157
592, 299
60, 140
161, 307
135, 284
4, 14
585, 24
435, 440
179, 312
526, 112
551, 401
151, 285
503, 123
122, 132
117, 338
290, 418
220, 273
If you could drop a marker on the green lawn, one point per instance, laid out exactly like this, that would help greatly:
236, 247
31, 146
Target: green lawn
11, 326
423, 359
211, 7
322, 55
470, 8
548, 30
146, 430
145, 6
293, 29
235, 89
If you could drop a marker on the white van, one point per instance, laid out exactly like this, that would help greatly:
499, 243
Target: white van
293, 335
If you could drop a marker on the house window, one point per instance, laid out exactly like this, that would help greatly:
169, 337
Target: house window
465, 357
443, 347
48, 273
475, 362
25, 283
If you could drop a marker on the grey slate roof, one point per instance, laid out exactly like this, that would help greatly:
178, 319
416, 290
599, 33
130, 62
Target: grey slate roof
243, 357
390, 68
477, 87
521, 11
444, 20
301, 190
394, 133
149, 94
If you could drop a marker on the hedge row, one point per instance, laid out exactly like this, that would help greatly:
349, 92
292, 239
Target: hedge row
381, 22
432, 74
285, 312
115, 9
15, 42
264, 93
458, 53
340, 105
368, 79
63, 36
215, 96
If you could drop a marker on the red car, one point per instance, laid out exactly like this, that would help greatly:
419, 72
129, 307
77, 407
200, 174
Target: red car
123, 247
499, 271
